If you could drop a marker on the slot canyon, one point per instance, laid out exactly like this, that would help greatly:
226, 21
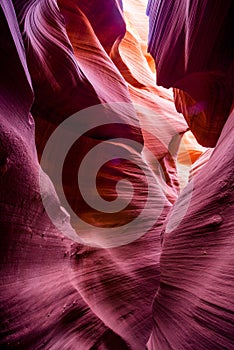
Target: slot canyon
116, 175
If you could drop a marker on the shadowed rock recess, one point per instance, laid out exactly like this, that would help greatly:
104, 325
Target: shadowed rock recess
148, 99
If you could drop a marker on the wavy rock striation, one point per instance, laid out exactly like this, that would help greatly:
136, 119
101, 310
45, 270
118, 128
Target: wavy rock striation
55, 292
192, 43
66, 286
193, 307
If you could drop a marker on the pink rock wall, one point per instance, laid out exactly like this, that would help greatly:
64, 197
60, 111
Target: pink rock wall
75, 291
192, 43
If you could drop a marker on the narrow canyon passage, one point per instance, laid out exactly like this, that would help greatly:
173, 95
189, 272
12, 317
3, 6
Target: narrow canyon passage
116, 175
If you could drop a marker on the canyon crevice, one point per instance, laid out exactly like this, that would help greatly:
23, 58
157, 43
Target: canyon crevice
136, 252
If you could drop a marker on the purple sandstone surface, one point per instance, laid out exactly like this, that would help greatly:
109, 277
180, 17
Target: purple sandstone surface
157, 273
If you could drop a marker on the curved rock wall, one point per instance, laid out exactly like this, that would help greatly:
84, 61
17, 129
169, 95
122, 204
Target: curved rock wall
192, 43
66, 286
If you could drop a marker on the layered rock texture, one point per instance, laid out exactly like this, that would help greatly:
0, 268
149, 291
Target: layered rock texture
136, 252
192, 43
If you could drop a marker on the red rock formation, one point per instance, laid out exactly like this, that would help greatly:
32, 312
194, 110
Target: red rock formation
62, 289
193, 308
192, 43
56, 293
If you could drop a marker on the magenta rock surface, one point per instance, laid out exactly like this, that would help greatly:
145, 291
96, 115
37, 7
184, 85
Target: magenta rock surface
192, 43
169, 288
56, 293
193, 308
